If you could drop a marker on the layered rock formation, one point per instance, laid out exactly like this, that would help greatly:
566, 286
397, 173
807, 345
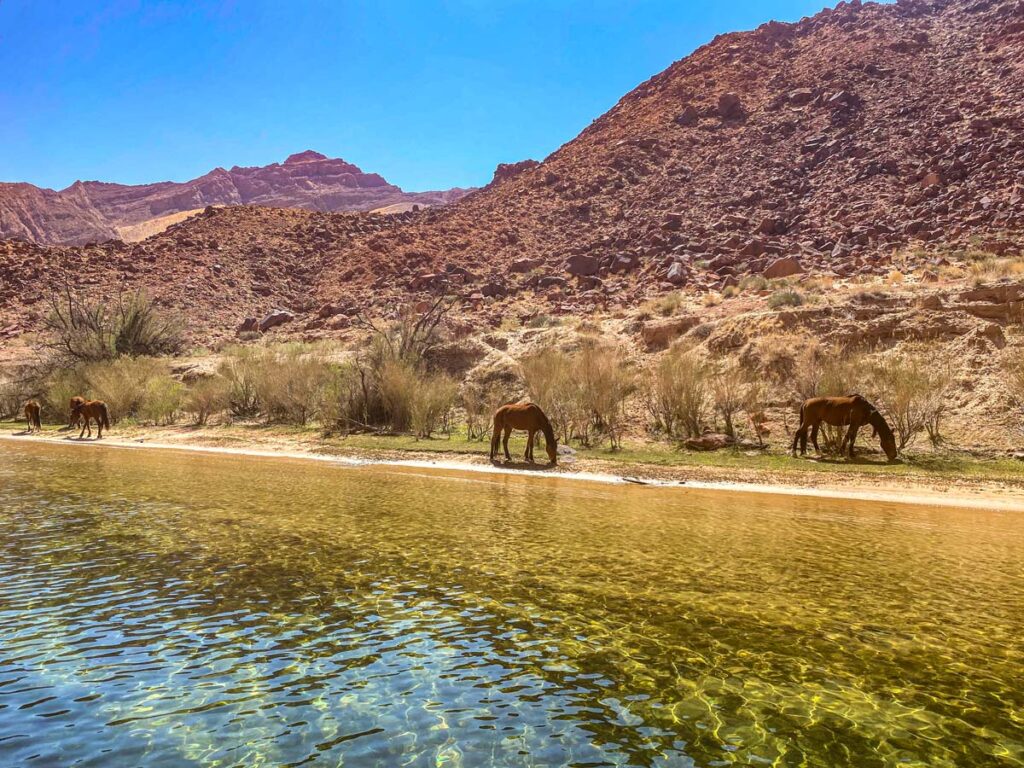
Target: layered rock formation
94, 211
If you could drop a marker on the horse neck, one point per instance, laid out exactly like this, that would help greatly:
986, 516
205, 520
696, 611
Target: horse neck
546, 428
876, 420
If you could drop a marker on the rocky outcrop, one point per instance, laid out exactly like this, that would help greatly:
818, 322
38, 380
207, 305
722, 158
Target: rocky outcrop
93, 211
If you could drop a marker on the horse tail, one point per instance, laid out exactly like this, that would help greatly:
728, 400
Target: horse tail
104, 415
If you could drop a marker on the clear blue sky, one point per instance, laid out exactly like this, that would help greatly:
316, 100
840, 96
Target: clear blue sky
430, 93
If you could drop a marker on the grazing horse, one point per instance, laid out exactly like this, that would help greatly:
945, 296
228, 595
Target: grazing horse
32, 416
74, 418
91, 410
852, 411
525, 416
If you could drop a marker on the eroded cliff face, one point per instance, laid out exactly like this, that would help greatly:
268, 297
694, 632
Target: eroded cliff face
93, 211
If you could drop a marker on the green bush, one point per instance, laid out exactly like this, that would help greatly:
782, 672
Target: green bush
289, 382
785, 298
125, 384
239, 369
431, 404
162, 400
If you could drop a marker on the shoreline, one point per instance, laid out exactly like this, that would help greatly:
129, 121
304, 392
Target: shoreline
890, 491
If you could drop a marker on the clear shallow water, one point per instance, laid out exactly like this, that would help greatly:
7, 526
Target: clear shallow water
179, 609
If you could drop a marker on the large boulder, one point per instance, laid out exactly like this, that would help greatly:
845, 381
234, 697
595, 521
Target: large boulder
582, 265
275, 318
658, 334
730, 106
784, 267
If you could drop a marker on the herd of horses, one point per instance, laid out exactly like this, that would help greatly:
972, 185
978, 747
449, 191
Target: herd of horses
81, 413
852, 412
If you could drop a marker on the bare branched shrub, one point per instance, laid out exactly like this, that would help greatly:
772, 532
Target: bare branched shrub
911, 387
206, 397
289, 381
678, 392
84, 331
728, 393
755, 404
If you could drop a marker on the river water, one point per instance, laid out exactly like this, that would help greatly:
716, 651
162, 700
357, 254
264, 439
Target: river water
170, 609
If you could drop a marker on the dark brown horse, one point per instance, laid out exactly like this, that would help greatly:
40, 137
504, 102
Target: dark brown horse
852, 411
525, 416
32, 416
91, 410
74, 418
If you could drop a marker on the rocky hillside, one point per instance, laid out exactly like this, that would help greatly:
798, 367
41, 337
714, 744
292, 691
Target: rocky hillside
865, 136
833, 143
93, 211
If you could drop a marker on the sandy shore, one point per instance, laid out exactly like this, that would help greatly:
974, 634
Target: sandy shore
978, 495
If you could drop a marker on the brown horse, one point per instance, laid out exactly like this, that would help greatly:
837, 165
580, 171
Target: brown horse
90, 410
526, 416
32, 416
852, 411
73, 418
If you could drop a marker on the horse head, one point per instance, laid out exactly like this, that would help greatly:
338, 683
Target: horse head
880, 429
552, 449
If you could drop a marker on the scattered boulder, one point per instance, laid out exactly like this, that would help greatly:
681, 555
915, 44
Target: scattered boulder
275, 318
730, 106
249, 325
784, 267
658, 334
582, 265
711, 441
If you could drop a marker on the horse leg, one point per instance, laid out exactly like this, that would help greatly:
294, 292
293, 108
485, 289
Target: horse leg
82, 420
495, 438
814, 438
99, 427
504, 443
851, 435
528, 455
796, 437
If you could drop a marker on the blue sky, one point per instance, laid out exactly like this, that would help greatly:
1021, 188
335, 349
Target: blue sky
430, 93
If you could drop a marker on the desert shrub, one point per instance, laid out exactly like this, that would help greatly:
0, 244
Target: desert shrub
543, 321
1013, 378
398, 383
666, 305
604, 383
755, 403
911, 387
548, 375
753, 283
479, 402
205, 397
83, 331
141, 329
123, 384
288, 383
162, 400
677, 392
12, 398
239, 369
785, 298
728, 393
431, 404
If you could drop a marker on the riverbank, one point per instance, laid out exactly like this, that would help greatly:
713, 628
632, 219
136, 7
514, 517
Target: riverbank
932, 479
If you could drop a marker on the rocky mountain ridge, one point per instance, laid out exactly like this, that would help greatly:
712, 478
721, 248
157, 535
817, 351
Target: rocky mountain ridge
94, 211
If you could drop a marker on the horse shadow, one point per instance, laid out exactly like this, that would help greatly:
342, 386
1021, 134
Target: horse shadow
523, 465
866, 461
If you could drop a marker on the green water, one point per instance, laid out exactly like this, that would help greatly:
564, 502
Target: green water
165, 609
